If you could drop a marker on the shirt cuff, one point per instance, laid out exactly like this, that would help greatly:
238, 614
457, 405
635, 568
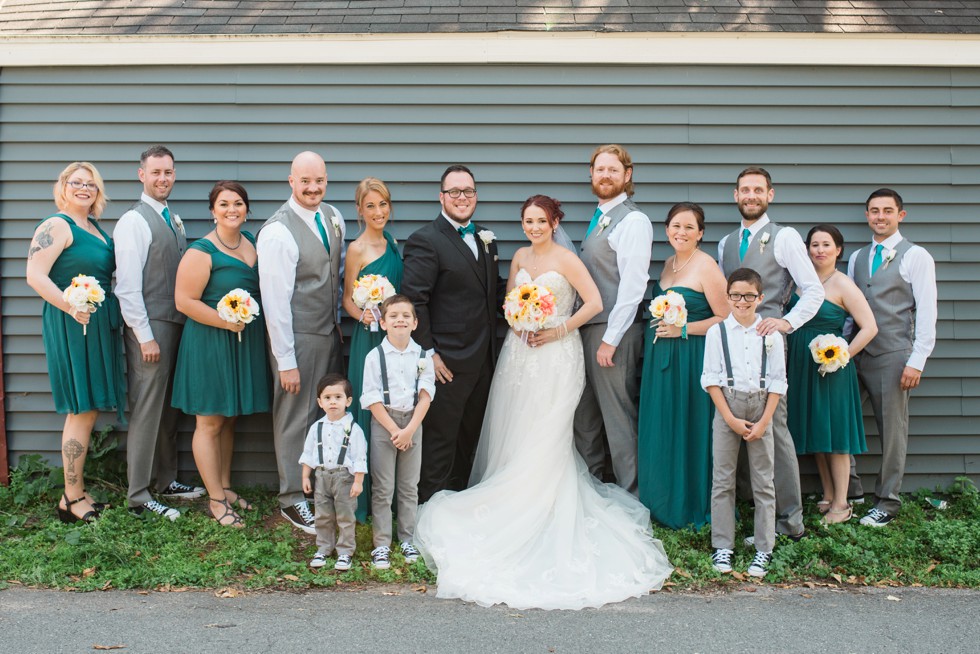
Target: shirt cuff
916, 361
287, 362
778, 387
370, 397
144, 334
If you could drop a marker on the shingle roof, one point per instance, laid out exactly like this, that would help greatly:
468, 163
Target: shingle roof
122, 17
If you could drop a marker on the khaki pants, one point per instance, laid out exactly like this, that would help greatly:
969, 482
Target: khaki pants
334, 511
725, 447
392, 468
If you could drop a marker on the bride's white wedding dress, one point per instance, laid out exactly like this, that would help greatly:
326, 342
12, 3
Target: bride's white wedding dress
535, 529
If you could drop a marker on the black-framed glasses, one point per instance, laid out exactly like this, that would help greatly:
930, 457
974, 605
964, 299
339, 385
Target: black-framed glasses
89, 186
456, 192
748, 297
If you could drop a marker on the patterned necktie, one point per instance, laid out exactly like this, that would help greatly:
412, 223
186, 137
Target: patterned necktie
323, 233
744, 246
595, 221
166, 216
469, 229
876, 261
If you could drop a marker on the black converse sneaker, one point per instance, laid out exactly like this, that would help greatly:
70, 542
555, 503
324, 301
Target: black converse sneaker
721, 560
876, 518
300, 516
380, 558
410, 553
760, 564
158, 508
179, 491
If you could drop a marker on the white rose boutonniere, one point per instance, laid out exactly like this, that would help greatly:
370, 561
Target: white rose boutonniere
335, 221
487, 237
763, 240
887, 258
603, 223
770, 340
422, 364
178, 223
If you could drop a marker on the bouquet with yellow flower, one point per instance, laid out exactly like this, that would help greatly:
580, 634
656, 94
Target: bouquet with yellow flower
84, 294
527, 307
238, 306
369, 292
830, 352
669, 308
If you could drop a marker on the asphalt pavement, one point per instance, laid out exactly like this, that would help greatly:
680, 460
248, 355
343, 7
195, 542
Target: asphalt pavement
401, 619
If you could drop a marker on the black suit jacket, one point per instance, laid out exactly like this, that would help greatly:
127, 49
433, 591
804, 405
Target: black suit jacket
456, 297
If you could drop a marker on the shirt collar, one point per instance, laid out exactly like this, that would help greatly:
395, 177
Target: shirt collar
391, 349
619, 199
154, 204
731, 323
302, 212
755, 226
890, 243
455, 224
344, 422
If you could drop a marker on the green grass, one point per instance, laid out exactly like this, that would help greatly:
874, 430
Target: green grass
923, 546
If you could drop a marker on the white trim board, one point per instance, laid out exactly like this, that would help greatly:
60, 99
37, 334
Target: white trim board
496, 48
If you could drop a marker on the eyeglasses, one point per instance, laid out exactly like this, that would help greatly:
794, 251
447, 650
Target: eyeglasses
748, 297
88, 186
456, 192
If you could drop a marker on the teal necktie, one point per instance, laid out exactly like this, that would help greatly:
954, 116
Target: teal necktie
876, 261
166, 216
317, 219
595, 221
469, 229
744, 246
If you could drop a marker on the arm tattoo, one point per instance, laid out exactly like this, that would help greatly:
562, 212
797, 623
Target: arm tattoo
41, 241
72, 451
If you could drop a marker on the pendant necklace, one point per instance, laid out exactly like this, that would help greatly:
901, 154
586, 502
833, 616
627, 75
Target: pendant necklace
675, 269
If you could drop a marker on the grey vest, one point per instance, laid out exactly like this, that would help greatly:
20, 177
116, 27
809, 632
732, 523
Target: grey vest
890, 298
777, 283
314, 302
167, 246
600, 260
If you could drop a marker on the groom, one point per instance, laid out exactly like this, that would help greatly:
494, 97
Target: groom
452, 278
616, 252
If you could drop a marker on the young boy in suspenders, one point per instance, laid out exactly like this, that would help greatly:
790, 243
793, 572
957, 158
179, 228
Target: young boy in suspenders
336, 451
399, 384
745, 374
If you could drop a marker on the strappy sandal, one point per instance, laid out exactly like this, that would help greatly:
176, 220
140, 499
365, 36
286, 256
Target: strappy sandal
236, 520
98, 506
823, 506
67, 516
828, 519
239, 501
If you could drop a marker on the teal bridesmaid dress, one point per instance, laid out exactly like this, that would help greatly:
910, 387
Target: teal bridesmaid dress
363, 341
824, 412
674, 440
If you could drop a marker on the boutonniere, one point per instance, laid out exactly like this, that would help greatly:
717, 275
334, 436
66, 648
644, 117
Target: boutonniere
178, 223
769, 340
421, 367
335, 221
487, 237
887, 258
763, 240
603, 223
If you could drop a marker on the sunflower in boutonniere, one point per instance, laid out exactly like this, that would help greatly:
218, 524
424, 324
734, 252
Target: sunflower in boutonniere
830, 352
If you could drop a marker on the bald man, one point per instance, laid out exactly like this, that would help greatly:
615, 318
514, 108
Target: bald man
300, 262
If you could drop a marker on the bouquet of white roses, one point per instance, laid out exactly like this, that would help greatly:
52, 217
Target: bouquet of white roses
84, 294
669, 308
527, 307
369, 292
830, 352
238, 306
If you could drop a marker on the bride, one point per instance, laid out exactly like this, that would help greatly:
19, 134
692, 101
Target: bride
535, 529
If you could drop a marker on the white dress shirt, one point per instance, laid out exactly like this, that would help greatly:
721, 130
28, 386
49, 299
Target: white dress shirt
278, 256
791, 254
632, 241
469, 239
745, 347
132, 240
918, 269
333, 439
403, 371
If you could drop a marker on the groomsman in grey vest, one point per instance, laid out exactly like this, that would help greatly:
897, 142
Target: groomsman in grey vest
778, 254
300, 251
616, 252
149, 242
899, 280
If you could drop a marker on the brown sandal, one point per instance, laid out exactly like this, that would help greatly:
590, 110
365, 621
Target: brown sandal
236, 520
829, 520
238, 501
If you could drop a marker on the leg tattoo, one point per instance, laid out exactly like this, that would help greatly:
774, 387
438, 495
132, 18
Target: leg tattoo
72, 450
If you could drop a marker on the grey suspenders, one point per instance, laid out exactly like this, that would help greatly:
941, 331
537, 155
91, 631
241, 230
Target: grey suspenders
384, 377
343, 446
728, 359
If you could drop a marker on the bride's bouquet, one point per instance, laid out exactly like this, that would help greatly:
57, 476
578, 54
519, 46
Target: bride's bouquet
830, 352
84, 294
238, 306
527, 307
669, 308
369, 292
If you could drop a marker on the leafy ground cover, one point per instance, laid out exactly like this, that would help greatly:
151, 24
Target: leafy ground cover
924, 546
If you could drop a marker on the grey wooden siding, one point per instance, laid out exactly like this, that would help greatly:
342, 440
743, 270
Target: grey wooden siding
828, 135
